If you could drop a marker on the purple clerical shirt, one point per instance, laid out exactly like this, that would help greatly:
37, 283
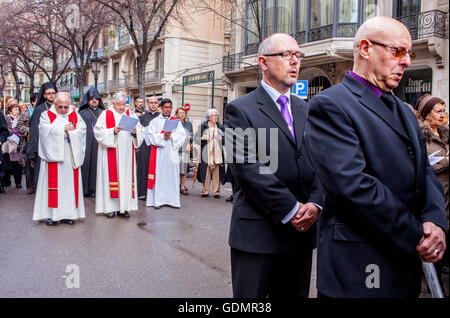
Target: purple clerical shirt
374, 89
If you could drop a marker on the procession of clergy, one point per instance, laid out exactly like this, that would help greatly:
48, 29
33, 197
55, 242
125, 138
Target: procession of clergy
89, 149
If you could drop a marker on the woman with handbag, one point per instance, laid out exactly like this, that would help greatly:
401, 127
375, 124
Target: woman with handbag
14, 146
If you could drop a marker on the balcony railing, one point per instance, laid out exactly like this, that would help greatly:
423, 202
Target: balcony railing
346, 30
232, 62
426, 24
251, 48
154, 76
321, 33
124, 39
116, 84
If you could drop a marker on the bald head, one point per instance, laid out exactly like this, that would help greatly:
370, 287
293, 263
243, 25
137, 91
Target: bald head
378, 28
279, 58
269, 44
62, 103
382, 52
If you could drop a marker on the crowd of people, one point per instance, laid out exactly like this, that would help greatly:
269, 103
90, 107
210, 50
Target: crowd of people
359, 176
158, 172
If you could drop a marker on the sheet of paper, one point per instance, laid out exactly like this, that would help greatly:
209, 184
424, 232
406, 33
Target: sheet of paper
14, 138
146, 137
170, 125
435, 160
433, 154
128, 123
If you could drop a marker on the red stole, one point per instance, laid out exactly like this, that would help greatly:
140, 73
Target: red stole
112, 159
53, 170
152, 163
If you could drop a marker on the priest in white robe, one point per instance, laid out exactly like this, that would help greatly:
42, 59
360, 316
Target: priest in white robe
62, 140
116, 190
163, 186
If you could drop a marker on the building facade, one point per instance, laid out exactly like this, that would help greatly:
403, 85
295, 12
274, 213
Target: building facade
325, 29
192, 53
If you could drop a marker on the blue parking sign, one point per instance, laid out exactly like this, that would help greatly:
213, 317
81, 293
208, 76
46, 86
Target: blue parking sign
300, 88
128, 100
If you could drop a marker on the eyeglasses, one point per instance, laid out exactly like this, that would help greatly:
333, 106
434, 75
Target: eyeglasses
287, 55
153, 102
61, 107
397, 52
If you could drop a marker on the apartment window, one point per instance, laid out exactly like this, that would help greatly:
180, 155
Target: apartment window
269, 17
41, 79
285, 19
348, 11
407, 7
105, 74
115, 71
159, 59
321, 13
254, 25
370, 9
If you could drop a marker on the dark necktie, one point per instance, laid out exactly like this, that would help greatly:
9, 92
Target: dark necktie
282, 100
391, 103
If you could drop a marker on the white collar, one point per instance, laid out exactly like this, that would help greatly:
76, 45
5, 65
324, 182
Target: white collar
273, 93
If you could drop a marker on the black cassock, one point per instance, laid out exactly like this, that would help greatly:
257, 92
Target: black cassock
143, 156
90, 116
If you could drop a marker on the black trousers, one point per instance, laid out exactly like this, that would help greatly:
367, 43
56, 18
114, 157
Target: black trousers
29, 175
37, 166
16, 172
284, 275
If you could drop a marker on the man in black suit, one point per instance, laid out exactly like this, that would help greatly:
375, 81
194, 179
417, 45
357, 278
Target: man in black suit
384, 207
277, 201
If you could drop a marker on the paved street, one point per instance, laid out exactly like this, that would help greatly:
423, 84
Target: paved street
156, 253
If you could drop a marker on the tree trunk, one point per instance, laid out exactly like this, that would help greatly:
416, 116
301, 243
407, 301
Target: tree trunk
141, 64
32, 84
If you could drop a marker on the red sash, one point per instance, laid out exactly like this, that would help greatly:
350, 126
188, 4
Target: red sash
53, 170
152, 163
112, 160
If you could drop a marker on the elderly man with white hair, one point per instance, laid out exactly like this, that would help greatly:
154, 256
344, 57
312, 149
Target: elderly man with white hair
62, 136
116, 161
164, 169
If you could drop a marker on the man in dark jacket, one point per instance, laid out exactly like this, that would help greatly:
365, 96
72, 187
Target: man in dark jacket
90, 108
4, 133
45, 100
277, 201
384, 207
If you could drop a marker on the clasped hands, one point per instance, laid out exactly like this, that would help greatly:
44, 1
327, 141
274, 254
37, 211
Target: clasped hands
432, 245
305, 217
68, 127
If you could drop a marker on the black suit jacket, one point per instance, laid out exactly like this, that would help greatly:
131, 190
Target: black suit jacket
261, 201
380, 189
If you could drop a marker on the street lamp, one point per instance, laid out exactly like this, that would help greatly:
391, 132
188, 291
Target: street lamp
95, 60
20, 87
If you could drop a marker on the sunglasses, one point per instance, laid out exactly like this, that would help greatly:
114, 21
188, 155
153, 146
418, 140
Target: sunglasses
61, 107
397, 52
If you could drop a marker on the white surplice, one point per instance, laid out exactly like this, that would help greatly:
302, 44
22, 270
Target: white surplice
124, 143
69, 153
166, 190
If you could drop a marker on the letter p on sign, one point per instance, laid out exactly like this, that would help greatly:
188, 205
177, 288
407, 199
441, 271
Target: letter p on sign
300, 88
